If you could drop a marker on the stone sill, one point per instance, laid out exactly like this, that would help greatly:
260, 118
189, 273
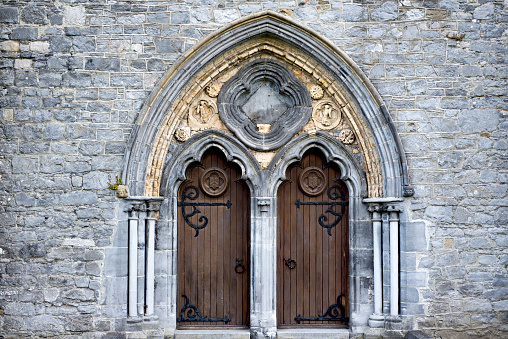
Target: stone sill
310, 333
212, 334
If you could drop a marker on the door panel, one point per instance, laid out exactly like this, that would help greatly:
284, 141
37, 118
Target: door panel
312, 260
213, 246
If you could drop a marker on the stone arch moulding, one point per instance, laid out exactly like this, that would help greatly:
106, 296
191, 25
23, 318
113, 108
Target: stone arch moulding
385, 162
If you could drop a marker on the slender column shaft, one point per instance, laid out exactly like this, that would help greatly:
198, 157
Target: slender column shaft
394, 263
133, 264
150, 265
378, 269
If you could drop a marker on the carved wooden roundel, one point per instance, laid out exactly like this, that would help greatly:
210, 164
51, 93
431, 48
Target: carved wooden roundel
312, 181
214, 181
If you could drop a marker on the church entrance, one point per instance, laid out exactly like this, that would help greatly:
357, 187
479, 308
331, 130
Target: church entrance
313, 250
213, 246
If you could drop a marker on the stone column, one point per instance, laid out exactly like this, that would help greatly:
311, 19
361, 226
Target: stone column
394, 260
133, 261
153, 209
376, 320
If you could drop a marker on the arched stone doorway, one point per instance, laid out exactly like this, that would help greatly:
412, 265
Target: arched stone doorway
264, 91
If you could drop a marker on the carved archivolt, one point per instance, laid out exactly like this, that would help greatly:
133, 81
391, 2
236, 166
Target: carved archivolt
324, 103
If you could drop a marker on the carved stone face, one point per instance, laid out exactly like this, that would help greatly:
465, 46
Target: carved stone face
122, 191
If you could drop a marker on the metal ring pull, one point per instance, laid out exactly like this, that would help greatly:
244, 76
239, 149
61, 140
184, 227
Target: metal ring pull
239, 268
290, 263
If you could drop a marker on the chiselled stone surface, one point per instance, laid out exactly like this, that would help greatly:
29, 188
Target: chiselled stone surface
74, 75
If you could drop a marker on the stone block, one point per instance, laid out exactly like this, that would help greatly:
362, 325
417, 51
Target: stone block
78, 198
387, 11
33, 15
59, 43
178, 18
103, 64
24, 33
74, 15
116, 265
83, 44
223, 16
9, 15
168, 46
478, 120
33, 250
354, 13
200, 15
77, 80
49, 78
131, 19
130, 81
95, 180
416, 239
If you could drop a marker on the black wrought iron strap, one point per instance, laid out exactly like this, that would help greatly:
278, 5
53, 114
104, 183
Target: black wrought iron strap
193, 195
190, 312
338, 198
335, 312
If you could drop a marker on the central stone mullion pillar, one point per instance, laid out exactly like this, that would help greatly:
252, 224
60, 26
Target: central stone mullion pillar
263, 303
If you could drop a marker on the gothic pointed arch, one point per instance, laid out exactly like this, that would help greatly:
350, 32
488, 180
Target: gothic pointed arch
345, 105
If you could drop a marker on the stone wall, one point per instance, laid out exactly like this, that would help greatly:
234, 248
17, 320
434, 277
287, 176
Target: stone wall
75, 74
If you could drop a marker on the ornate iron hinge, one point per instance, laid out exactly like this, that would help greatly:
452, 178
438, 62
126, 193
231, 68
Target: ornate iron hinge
190, 312
333, 195
335, 312
193, 196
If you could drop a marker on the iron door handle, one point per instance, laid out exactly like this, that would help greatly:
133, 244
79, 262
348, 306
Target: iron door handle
290, 263
240, 267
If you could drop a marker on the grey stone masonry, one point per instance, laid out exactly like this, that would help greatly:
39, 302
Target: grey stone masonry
75, 74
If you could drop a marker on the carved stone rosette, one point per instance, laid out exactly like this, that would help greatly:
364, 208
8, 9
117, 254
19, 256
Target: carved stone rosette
316, 92
214, 182
326, 115
182, 134
312, 181
203, 113
212, 90
347, 137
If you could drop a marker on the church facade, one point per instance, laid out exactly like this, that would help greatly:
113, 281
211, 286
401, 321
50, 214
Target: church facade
253, 169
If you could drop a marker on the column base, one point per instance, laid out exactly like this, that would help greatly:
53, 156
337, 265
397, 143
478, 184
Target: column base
376, 321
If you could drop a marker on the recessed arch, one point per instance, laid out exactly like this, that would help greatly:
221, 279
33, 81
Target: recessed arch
384, 159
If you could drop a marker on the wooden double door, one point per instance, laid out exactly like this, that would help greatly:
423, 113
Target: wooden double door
213, 246
313, 246
213, 288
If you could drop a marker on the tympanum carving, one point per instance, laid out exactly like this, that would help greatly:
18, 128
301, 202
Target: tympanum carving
264, 104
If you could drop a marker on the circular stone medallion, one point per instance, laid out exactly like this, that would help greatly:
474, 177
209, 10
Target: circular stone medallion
312, 181
214, 181
326, 115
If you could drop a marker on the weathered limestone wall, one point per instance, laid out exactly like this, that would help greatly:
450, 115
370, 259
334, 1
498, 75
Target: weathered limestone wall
74, 75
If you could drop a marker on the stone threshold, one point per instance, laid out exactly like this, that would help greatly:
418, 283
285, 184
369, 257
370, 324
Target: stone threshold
212, 334
313, 333
308, 333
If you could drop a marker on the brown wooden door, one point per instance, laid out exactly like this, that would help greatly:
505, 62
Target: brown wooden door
312, 260
213, 246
